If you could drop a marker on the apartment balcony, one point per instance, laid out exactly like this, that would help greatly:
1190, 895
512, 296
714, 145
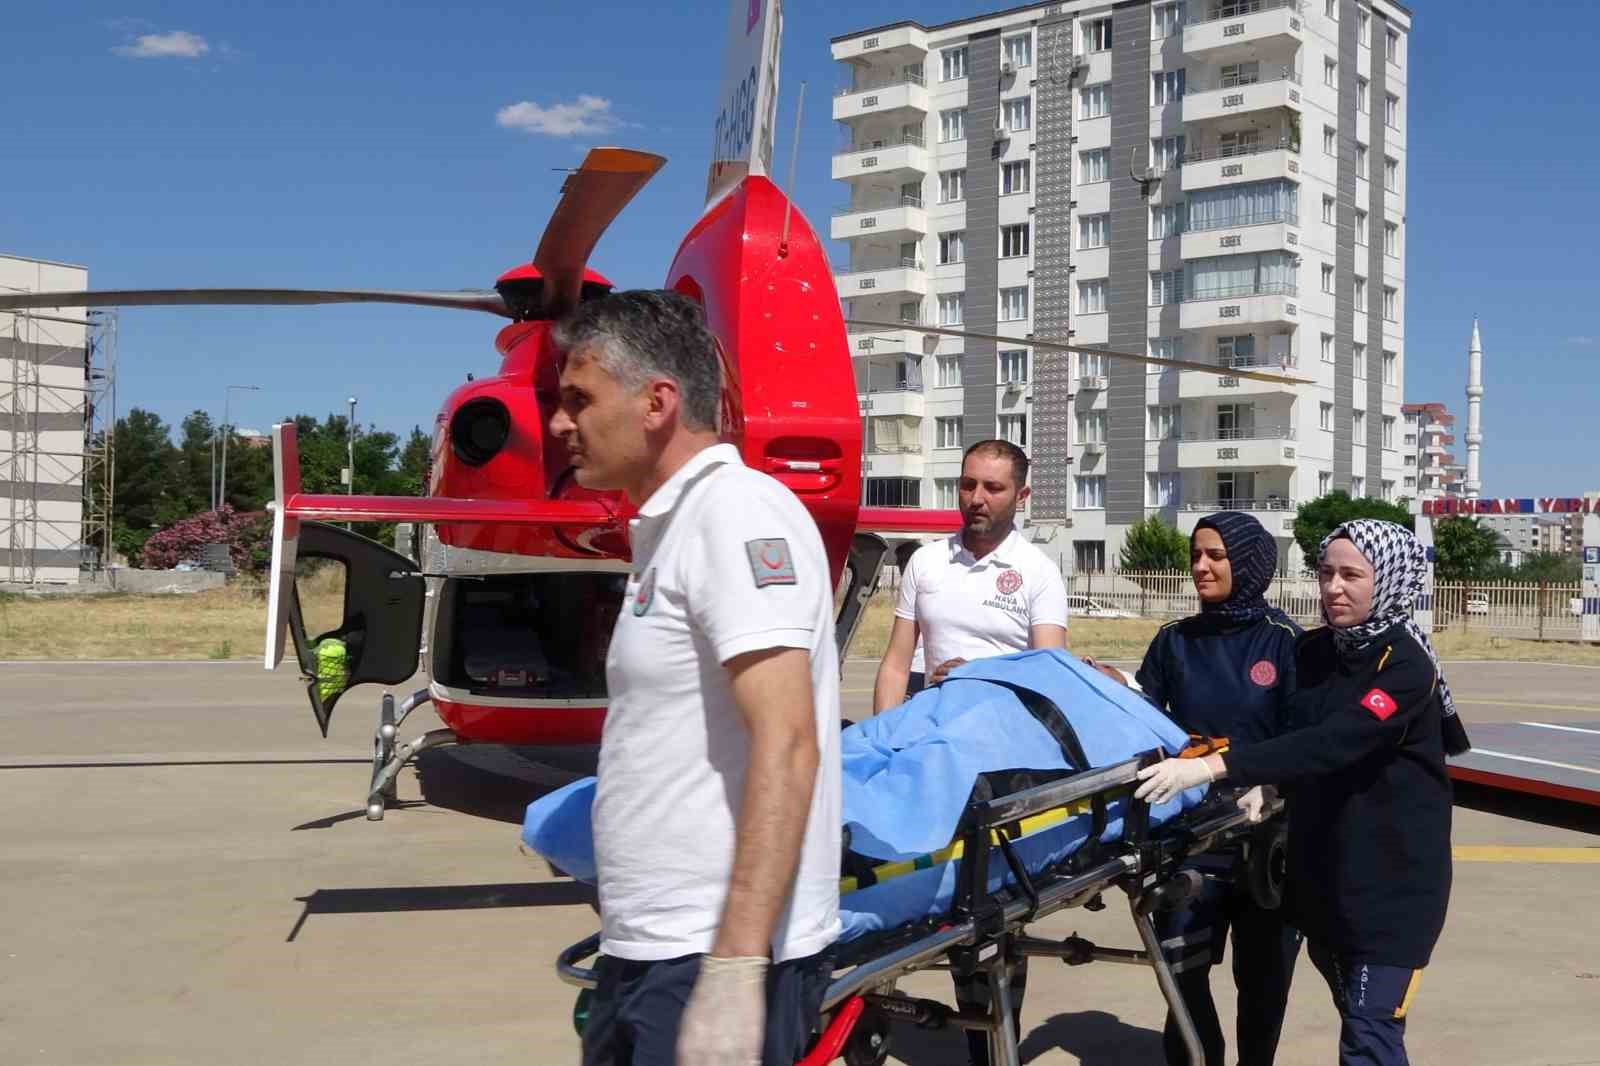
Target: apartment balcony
1197, 384
1274, 512
906, 400
1243, 28
1265, 231
1235, 164
894, 460
1269, 304
1257, 448
900, 93
907, 279
900, 45
1093, 383
900, 158
898, 218
879, 342
1232, 97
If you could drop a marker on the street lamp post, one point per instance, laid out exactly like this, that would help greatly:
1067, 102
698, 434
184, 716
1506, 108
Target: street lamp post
350, 445
222, 482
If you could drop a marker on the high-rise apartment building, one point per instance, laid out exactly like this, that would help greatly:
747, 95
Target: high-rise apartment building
1216, 182
1431, 470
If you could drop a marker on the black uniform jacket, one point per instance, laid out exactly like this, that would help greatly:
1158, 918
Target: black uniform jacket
1223, 679
1369, 801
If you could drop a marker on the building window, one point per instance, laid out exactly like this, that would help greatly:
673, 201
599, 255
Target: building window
1358, 425
1330, 8
1163, 422
1391, 304
1388, 431
1161, 490
1092, 297
1325, 416
950, 309
1392, 47
1250, 204
1327, 277
1327, 210
1167, 220
1094, 166
1089, 556
1019, 50
1018, 114
1166, 287
1090, 494
1166, 153
1358, 487
1095, 101
1327, 347
1324, 482
1015, 177
1092, 427
1014, 428
1091, 365
893, 492
1411, 482
1330, 73
944, 494
1361, 94
1094, 231
1330, 141
1391, 111
947, 432
1391, 174
1164, 348
1389, 362
1166, 87
1237, 351
952, 247
1013, 366
1363, 24
1358, 362
1166, 20
1013, 240
1097, 35
1361, 160
953, 124
952, 186
1391, 238
949, 371
1361, 294
1361, 227
911, 312
1014, 304
954, 64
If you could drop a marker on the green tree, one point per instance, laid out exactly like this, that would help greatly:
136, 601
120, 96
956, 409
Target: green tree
144, 465
1315, 519
1464, 550
1154, 545
1552, 567
416, 461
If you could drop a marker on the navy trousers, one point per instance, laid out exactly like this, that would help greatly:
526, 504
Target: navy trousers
1372, 1000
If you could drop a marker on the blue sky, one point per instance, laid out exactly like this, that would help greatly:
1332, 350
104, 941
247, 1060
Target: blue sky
357, 145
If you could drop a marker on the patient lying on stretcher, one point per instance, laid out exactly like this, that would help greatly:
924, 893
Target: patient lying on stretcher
995, 725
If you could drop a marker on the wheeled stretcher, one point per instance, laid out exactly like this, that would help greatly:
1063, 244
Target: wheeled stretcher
985, 930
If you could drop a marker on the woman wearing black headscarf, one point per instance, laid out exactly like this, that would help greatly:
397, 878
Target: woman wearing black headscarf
1369, 838
1227, 672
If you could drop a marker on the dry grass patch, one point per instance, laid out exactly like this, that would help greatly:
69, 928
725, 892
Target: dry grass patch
1101, 638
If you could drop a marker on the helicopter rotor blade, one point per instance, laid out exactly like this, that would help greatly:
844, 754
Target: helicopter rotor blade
592, 196
1057, 346
468, 300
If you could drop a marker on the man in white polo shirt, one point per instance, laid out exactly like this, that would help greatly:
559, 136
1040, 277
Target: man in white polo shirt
985, 591
717, 811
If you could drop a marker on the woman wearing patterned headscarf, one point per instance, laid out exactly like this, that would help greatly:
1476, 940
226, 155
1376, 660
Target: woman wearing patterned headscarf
1227, 672
1369, 839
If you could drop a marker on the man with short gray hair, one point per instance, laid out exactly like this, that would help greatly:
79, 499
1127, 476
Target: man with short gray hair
717, 809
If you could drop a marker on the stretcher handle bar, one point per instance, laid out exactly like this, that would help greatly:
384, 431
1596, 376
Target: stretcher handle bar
919, 953
1004, 809
1201, 832
567, 968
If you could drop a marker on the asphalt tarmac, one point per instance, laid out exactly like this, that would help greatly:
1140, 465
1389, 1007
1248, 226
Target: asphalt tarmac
188, 877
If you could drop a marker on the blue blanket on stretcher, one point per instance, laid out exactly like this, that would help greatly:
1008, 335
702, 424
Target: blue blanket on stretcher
908, 774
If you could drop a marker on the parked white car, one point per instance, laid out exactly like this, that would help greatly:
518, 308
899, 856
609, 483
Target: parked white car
1085, 607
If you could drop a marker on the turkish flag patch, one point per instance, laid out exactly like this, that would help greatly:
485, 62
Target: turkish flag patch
1380, 703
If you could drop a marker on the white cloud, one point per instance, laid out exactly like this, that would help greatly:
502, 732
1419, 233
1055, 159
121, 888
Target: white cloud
179, 44
586, 115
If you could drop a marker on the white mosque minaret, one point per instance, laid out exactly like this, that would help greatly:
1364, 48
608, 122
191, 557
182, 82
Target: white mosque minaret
1474, 401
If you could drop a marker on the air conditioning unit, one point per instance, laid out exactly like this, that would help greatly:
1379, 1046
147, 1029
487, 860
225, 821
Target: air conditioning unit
1093, 383
1013, 387
1000, 131
1007, 69
1080, 60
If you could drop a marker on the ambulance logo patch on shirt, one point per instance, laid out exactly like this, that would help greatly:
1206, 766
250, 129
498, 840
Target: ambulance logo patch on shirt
1264, 673
646, 592
1007, 582
1380, 703
770, 562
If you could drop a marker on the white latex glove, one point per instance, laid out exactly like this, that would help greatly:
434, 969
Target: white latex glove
1167, 778
1253, 804
726, 1016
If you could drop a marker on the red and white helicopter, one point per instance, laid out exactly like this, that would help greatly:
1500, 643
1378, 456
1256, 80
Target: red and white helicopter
508, 602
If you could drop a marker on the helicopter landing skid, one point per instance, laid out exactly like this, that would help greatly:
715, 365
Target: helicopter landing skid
388, 758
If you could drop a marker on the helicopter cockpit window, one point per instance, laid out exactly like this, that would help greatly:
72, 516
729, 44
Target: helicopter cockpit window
529, 636
321, 585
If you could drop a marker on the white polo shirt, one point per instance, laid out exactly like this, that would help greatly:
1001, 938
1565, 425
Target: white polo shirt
725, 561
969, 608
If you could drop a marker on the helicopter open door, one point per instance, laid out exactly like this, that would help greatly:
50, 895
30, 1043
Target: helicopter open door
379, 623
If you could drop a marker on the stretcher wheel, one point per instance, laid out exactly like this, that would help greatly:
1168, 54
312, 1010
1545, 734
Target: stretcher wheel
1269, 865
868, 1043
580, 1010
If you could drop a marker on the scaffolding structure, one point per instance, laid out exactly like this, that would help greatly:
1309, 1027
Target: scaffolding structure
58, 413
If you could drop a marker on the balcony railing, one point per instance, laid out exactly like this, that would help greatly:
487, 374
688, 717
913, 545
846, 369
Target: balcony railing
1239, 9
886, 205
1247, 218
1239, 503
1232, 292
894, 449
1245, 362
1241, 433
877, 144
1234, 151
1239, 81
890, 82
